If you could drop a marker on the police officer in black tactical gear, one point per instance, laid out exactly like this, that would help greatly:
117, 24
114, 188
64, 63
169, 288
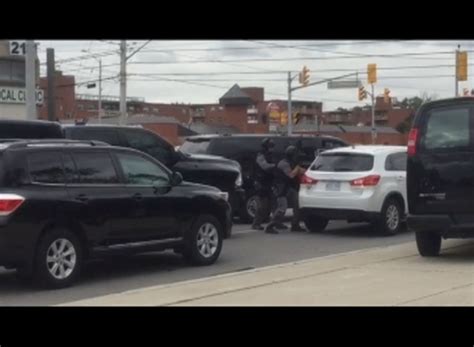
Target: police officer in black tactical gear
287, 171
263, 182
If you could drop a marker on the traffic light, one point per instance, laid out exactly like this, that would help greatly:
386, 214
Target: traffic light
362, 93
461, 66
372, 73
304, 76
386, 95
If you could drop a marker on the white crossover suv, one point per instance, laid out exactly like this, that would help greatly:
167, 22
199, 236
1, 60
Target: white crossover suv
357, 184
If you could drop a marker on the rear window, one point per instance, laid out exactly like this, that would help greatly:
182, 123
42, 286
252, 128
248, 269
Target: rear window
195, 146
447, 128
343, 162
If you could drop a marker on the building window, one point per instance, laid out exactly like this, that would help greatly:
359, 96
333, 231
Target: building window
252, 119
146, 109
213, 109
155, 110
221, 108
80, 107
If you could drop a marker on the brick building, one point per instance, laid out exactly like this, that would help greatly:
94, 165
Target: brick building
386, 114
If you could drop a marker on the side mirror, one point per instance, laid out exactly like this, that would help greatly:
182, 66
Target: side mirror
176, 178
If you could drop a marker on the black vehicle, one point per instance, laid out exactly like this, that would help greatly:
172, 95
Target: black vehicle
35, 129
215, 171
244, 149
65, 202
440, 173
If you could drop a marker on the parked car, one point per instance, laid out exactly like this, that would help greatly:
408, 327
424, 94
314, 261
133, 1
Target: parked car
244, 149
37, 129
64, 202
215, 171
440, 173
357, 184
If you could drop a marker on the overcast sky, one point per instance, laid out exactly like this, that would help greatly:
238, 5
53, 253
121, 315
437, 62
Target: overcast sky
202, 71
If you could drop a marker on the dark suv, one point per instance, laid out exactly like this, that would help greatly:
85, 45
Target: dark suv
440, 173
64, 202
244, 149
215, 171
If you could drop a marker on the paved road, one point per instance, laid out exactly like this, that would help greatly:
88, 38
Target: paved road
246, 249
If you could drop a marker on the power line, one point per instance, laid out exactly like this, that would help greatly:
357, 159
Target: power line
394, 55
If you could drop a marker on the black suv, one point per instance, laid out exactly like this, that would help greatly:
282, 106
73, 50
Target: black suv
244, 149
440, 173
63, 202
215, 171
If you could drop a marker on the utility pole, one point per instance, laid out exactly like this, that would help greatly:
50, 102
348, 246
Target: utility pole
51, 84
100, 91
290, 116
30, 79
123, 81
456, 82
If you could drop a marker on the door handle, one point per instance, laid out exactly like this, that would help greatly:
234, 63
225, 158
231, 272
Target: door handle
82, 197
138, 197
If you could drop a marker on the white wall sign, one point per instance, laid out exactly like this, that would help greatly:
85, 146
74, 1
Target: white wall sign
17, 47
9, 95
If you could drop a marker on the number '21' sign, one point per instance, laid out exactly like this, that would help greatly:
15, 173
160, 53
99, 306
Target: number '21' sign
17, 47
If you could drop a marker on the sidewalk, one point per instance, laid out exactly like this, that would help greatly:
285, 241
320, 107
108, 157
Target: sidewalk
385, 276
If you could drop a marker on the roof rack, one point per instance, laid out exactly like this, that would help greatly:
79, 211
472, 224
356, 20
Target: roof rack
18, 143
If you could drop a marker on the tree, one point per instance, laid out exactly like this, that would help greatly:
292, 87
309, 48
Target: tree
413, 103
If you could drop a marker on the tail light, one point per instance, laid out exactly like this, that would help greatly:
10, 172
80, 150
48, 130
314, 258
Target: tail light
304, 179
412, 140
368, 181
9, 203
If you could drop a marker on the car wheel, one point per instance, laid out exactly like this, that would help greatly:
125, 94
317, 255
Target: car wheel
203, 244
248, 210
315, 224
58, 259
428, 243
390, 219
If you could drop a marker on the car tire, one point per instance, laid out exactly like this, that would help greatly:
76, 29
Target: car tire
315, 224
428, 243
390, 220
248, 210
58, 260
203, 244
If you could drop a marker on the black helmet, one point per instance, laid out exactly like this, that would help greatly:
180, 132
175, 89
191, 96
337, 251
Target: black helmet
267, 143
291, 151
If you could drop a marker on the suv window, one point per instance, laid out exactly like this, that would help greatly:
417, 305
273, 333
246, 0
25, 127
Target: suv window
195, 146
396, 162
150, 144
447, 128
45, 167
141, 171
109, 136
343, 162
95, 168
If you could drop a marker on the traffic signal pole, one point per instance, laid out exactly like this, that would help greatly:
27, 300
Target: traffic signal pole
290, 90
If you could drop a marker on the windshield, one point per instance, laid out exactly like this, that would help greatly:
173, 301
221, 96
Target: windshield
340, 162
195, 146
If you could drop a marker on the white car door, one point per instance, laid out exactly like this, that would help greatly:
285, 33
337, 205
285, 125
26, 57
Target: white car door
395, 167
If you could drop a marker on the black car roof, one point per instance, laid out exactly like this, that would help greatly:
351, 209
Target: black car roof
213, 136
29, 122
448, 101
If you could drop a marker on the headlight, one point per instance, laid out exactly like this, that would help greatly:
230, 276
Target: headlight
224, 195
238, 181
